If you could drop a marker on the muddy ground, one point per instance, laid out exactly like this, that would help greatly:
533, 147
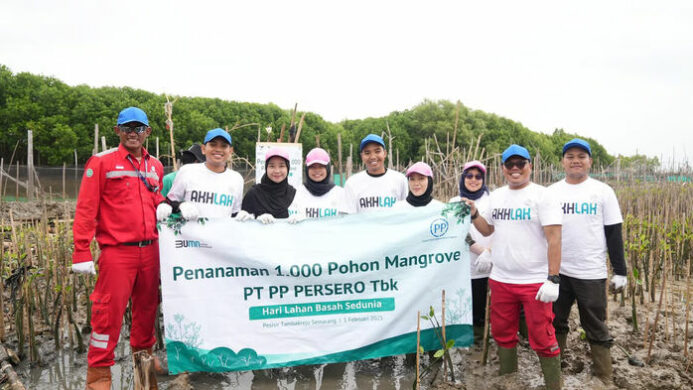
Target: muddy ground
667, 368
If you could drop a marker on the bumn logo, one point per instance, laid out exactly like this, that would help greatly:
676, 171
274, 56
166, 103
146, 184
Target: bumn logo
191, 244
439, 227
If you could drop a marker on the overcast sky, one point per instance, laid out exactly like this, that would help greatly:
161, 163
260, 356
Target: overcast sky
618, 71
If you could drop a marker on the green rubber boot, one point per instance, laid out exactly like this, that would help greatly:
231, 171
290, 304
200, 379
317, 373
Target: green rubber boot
508, 360
478, 334
562, 339
601, 358
551, 368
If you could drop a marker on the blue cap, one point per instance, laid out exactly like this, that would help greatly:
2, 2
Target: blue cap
132, 114
214, 133
577, 143
515, 150
371, 138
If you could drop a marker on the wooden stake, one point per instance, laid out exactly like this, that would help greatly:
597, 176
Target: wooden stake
103, 143
300, 126
96, 142
445, 342
418, 347
30, 165
484, 353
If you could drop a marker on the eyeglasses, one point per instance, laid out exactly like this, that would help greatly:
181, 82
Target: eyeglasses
473, 176
515, 163
137, 129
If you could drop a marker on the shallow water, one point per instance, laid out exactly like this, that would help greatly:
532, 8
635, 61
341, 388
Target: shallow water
67, 370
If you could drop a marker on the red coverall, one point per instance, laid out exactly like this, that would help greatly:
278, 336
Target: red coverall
116, 205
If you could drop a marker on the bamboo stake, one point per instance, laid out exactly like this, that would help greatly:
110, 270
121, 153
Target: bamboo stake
418, 348
484, 353
688, 302
659, 308
300, 126
445, 362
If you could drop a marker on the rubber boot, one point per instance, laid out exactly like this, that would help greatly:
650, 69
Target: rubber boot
562, 339
478, 334
507, 358
601, 357
151, 375
98, 378
522, 326
551, 368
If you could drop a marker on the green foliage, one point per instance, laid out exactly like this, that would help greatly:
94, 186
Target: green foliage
63, 119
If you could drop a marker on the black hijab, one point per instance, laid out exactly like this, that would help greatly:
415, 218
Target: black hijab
270, 197
423, 199
465, 193
319, 188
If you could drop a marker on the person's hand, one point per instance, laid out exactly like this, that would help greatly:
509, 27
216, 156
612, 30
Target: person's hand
266, 218
86, 268
296, 218
548, 292
618, 283
472, 207
243, 216
163, 211
483, 262
188, 211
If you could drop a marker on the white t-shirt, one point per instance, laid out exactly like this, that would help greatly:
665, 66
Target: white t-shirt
587, 207
367, 193
214, 194
328, 205
481, 204
519, 247
403, 204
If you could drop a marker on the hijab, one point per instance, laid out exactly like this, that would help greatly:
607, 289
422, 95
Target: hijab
319, 188
465, 193
423, 199
270, 197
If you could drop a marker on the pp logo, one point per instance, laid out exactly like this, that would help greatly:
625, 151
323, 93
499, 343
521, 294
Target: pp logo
439, 227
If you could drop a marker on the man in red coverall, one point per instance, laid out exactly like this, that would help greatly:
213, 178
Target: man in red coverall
117, 203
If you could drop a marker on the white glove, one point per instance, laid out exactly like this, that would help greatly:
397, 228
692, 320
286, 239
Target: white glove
188, 211
548, 292
296, 218
163, 211
618, 283
266, 218
243, 216
86, 268
483, 262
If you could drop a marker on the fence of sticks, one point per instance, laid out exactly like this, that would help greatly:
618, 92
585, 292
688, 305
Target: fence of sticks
43, 304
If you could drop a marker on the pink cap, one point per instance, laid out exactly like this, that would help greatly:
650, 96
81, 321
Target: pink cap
276, 152
475, 164
421, 168
317, 156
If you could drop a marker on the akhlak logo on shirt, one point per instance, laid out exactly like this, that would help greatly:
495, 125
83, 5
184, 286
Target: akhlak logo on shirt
519, 214
317, 212
211, 198
580, 208
377, 201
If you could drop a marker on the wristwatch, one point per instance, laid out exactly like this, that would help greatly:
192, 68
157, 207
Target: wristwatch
476, 214
554, 279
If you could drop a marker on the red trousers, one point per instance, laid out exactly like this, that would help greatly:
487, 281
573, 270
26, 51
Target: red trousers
506, 299
125, 272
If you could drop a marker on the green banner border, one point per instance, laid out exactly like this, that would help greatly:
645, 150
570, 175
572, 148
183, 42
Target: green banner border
182, 358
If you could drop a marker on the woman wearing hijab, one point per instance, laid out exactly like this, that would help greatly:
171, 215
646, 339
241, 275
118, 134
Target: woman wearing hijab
420, 181
318, 197
473, 186
271, 198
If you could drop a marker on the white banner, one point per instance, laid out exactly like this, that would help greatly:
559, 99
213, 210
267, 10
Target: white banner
245, 296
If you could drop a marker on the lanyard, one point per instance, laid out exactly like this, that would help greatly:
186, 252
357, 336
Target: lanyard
139, 174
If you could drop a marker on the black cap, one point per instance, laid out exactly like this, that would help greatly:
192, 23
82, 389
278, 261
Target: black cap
192, 155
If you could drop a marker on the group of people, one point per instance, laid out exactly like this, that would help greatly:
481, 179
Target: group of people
537, 248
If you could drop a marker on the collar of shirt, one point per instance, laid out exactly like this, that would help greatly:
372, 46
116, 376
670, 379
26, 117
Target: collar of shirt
123, 153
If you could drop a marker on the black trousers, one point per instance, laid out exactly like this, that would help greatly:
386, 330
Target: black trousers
479, 287
590, 295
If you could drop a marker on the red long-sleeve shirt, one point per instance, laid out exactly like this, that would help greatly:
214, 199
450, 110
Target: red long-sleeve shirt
114, 203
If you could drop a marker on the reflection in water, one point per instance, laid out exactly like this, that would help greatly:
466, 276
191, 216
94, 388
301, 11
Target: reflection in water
66, 370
